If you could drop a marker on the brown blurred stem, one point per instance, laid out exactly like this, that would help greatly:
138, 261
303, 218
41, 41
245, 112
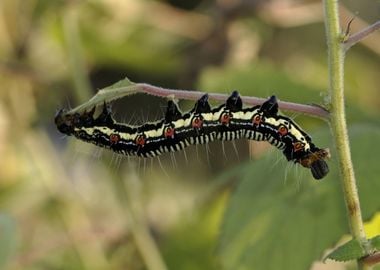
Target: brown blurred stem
357, 37
108, 94
372, 259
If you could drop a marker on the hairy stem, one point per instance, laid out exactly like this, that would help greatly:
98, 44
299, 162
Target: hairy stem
108, 94
338, 121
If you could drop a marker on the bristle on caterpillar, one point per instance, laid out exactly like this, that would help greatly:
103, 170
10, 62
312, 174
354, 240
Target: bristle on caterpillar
200, 125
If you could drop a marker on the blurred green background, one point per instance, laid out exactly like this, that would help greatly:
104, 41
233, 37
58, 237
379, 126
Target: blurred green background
65, 204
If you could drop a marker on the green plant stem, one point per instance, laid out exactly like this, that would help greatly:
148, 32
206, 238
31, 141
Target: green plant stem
136, 224
338, 120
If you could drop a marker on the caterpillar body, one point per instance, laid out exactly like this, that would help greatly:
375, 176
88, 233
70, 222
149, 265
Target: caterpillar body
200, 125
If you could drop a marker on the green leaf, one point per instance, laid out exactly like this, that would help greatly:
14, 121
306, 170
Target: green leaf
281, 218
122, 83
375, 242
115, 91
7, 239
351, 250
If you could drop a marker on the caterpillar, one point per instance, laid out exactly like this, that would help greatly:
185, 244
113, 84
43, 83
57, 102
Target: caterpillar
200, 125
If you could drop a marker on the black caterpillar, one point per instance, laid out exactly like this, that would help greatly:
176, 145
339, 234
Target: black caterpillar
201, 125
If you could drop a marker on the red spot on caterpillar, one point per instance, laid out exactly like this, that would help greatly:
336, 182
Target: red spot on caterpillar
297, 146
256, 119
169, 132
282, 130
140, 140
197, 122
114, 138
225, 119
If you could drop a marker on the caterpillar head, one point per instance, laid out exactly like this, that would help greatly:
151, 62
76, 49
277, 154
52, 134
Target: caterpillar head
315, 160
312, 158
65, 122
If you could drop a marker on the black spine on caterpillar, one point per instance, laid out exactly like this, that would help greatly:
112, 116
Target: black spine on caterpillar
200, 125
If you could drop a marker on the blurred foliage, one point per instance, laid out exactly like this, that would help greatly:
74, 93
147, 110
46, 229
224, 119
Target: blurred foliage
288, 217
7, 238
68, 205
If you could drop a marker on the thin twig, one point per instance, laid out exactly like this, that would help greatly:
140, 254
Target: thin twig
355, 38
109, 94
348, 30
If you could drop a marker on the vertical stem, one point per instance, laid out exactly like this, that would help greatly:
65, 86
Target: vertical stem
338, 120
144, 241
78, 70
